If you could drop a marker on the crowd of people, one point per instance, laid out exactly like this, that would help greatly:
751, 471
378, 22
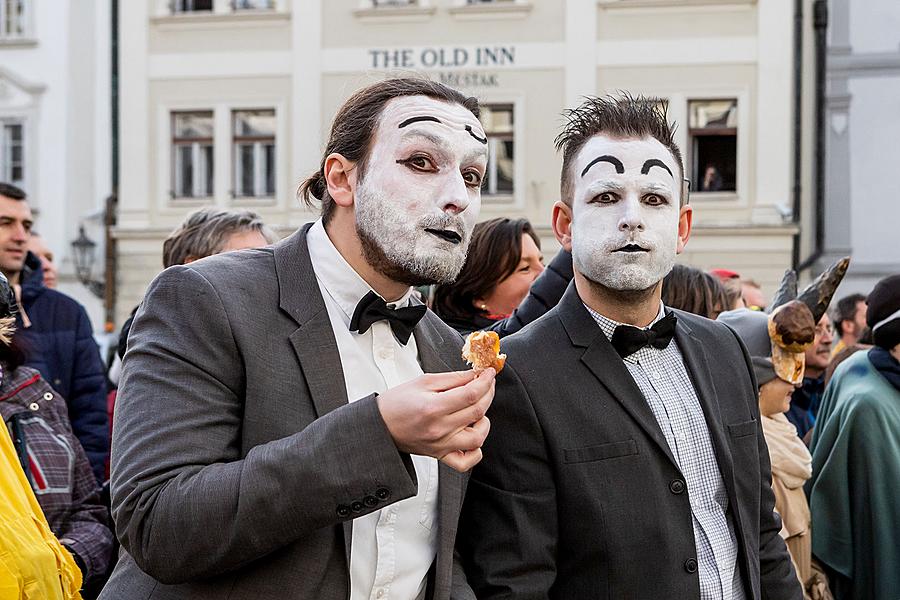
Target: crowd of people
313, 432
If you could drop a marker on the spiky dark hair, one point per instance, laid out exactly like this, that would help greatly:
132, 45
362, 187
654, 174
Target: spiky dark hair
621, 115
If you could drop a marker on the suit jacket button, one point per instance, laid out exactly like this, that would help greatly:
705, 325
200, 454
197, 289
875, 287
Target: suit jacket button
690, 565
676, 486
357, 507
382, 493
370, 501
343, 511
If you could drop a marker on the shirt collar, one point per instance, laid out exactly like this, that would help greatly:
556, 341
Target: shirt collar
335, 275
608, 326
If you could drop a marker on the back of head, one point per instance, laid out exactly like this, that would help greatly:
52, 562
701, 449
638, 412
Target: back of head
693, 290
494, 254
883, 312
355, 123
621, 116
206, 231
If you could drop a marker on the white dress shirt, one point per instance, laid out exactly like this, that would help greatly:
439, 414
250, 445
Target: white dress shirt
392, 549
662, 377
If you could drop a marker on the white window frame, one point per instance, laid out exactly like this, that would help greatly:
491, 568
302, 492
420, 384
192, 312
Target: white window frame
198, 158
259, 175
25, 20
517, 198
5, 152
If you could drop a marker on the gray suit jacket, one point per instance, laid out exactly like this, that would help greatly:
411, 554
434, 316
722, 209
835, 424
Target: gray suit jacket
237, 462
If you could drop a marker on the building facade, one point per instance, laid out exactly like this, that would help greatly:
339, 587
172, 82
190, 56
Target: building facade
228, 103
55, 121
862, 127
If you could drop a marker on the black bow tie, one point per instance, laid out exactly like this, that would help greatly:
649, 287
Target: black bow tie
373, 308
627, 339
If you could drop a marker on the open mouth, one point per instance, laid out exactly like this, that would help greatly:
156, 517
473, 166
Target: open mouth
446, 234
632, 248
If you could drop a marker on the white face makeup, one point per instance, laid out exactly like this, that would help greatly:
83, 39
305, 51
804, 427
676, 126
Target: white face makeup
625, 212
420, 196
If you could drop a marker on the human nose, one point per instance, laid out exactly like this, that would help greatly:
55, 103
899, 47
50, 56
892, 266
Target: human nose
631, 219
456, 197
20, 234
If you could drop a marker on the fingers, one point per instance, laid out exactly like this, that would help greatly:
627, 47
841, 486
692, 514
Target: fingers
462, 461
440, 382
456, 399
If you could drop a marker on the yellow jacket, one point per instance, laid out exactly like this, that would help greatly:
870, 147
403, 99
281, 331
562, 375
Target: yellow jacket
33, 564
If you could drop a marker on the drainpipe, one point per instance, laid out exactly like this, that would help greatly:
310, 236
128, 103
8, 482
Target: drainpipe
820, 24
110, 262
797, 186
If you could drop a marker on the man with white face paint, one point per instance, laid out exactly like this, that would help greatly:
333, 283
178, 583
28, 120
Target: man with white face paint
291, 422
626, 458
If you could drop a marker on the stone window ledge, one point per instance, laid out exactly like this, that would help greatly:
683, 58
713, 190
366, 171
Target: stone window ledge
394, 14
491, 10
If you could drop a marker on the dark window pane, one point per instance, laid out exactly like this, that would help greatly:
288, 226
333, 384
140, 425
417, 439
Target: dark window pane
192, 5
254, 4
270, 169
715, 163
246, 165
257, 123
208, 164
193, 125
505, 167
185, 166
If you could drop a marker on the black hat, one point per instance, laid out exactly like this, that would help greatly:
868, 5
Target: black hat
883, 312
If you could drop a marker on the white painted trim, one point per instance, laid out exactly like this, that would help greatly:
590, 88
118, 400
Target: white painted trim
306, 91
209, 65
580, 58
517, 99
678, 51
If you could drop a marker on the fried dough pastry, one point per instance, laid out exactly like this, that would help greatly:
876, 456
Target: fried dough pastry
482, 350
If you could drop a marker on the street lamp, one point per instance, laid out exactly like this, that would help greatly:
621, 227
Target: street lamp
83, 249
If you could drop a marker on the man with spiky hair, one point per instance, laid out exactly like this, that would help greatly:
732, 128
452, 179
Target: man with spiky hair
626, 457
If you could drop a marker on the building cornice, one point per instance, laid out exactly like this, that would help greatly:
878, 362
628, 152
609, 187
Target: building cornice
842, 62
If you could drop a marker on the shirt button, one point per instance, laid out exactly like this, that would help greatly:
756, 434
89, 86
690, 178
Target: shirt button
655, 374
34, 406
690, 565
48, 396
676, 486
384, 354
379, 593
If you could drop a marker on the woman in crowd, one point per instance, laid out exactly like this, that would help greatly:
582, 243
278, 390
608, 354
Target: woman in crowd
694, 291
504, 261
63, 497
778, 363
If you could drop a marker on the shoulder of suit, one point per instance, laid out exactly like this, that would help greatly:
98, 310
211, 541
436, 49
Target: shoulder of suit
536, 335
252, 264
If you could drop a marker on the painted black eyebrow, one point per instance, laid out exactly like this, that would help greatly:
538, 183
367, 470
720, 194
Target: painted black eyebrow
483, 140
412, 120
654, 162
620, 168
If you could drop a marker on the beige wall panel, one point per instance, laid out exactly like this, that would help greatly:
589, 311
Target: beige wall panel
344, 25
253, 36
669, 23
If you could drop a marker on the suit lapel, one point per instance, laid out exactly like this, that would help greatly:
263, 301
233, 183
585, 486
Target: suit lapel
607, 366
313, 341
697, 363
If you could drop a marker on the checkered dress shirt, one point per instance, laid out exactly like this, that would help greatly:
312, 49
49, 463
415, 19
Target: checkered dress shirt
663, 379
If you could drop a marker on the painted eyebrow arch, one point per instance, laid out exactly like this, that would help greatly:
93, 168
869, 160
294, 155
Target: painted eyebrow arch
412, 120
483, 140
620, 168
654, 162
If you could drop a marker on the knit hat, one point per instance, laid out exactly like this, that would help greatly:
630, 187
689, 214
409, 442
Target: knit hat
883, 312
752, 326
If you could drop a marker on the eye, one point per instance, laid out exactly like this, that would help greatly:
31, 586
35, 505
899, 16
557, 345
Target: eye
419, 162
655, 200
604, 198
472, 178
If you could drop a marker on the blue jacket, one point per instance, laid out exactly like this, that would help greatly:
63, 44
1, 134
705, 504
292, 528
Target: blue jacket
60, 344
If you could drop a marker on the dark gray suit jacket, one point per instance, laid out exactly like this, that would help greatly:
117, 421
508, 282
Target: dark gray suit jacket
237, 462
578, 495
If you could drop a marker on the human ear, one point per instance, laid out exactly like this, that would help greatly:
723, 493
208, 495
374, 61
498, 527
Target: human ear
685, 219
562, 224
340, 178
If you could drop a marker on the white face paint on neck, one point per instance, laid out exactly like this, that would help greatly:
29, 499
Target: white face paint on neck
420, 195
625, 221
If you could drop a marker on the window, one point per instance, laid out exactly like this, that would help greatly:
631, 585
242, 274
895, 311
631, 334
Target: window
254, 153
12, 18
183, 6
12, 152
253, 4
192, 154
498, 125
713, 144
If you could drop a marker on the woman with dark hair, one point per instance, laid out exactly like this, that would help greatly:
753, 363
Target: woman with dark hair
52, 461
504, 261
694, 291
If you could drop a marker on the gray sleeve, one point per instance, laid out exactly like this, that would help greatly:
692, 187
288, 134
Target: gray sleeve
186, 504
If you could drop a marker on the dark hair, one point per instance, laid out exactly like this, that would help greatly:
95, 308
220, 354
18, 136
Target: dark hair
494, 255
623, 116
695, 291
845, 310
355, 124
205, 232
10, 191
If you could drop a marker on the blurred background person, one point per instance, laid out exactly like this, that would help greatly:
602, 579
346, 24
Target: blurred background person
849, 320
693, 290
52, 461
752, 294
731, 284
38, 246
503, 262
807, 397
55, 331
856, 461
